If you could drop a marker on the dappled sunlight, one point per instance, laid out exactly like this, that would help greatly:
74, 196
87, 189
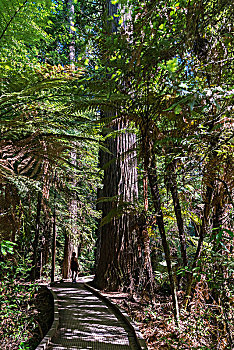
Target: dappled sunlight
100, 335
86, 322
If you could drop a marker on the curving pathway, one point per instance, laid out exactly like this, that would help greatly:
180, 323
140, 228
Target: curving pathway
87, 323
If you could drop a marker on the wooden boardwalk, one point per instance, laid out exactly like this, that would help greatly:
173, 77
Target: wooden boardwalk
86, 322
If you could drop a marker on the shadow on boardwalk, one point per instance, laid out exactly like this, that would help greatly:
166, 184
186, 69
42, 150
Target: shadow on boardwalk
86, 322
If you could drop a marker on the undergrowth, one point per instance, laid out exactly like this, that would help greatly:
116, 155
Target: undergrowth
202, 327
16, 314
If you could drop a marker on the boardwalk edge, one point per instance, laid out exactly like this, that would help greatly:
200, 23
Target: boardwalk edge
138, 336
48, 337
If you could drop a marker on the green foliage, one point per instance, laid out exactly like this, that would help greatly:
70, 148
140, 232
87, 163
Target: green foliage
23, 21
60, 33
219, 263
7, 247
168, 72
15, 297
16, 317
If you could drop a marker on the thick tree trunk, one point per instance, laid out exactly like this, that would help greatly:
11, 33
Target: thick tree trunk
10, 223
116, 256
117, 238
73, 207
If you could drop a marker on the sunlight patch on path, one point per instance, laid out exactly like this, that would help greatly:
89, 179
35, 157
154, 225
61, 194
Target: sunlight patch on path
86, 322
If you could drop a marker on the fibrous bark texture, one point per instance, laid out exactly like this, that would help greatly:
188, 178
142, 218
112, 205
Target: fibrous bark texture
117, 238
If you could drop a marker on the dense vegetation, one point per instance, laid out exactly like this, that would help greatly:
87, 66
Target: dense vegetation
137, 96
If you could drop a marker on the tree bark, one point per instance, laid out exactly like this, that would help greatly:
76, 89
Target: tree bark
177, 209
71, 13
117, 244
53, 255
73, 207
153, 182
67, 256
36, 238
203, 231
117, 238
150, 166
46, 239
146, 281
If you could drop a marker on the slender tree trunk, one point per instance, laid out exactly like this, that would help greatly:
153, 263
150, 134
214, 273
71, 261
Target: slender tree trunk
147, 280
53, 246
66, 256
46, 236
160, 222
210, 172
203, 231
36, 237
145, 190
53, 255
150, 165
71, 12
177, 209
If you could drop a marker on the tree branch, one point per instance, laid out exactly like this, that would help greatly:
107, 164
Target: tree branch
11, 19
227, 189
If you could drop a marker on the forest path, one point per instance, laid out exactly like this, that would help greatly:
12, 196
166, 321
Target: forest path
86, 322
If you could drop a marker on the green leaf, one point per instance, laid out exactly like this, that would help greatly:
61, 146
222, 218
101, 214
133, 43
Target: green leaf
7, 247
177, 109
172, 65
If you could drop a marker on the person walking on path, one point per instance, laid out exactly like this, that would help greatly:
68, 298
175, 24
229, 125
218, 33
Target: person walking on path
74, 267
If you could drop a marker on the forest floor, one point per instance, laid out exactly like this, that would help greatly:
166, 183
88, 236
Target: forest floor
27, 317
199, 329
155, 323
